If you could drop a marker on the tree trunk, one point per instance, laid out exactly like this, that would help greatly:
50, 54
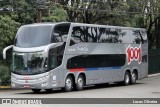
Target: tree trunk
158, 34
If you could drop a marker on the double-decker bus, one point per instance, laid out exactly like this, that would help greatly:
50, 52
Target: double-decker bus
71, 55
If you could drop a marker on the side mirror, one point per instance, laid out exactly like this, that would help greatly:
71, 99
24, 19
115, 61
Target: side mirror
5, 50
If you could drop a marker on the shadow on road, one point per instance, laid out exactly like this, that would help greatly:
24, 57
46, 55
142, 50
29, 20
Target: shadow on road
91, 87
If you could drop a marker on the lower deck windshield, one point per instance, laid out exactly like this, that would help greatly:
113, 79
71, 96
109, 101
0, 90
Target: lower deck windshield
29, 63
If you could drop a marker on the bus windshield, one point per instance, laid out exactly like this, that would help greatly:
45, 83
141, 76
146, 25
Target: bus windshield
28, 63
33, 36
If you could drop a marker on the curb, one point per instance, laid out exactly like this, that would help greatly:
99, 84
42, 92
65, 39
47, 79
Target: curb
153, 75
5, 87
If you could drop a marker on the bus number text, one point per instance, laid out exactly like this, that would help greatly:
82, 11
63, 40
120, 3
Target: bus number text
134, 54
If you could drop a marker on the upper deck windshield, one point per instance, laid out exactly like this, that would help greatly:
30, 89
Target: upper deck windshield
41, 35
33, 36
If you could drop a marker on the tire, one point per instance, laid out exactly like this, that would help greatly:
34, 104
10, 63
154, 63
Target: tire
133, 77
36, 90
49, 90
68, 84
80, 83
127, 79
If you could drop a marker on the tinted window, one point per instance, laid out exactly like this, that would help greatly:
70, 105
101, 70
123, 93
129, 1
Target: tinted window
55, 56
95, 35
95, 61
133, 36
60, 33
80, 34
127, 37
33, 36
140, 36
111, 35
106, 35
144, 58
144, 36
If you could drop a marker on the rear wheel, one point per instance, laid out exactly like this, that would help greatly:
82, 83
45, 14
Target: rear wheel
133, 77
80, 83
36, 90
68, 84
126, 79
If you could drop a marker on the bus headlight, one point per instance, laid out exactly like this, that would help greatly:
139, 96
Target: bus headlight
44, 78
13, 79
12, 84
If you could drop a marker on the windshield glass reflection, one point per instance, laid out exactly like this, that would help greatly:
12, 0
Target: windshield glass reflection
28, 63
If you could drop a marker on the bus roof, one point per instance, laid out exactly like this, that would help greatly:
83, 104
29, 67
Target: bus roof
81, 24
104, 26
46, 24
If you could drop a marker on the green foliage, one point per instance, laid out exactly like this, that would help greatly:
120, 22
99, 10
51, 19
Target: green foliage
8, 29
25, 10
4, 76
56, 15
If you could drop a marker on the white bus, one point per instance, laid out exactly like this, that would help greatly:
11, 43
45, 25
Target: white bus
72, 55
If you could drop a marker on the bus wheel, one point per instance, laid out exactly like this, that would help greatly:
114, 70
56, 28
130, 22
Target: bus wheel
68, 84
133, 77
126, 79
36, 90
80, 83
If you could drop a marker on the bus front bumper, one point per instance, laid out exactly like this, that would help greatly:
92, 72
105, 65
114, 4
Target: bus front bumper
41, 83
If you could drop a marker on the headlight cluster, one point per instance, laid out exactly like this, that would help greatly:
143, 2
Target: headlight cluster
44, 78
13, 78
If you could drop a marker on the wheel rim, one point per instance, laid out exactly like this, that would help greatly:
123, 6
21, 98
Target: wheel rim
127, 79
133, 77
80, 82
68, 83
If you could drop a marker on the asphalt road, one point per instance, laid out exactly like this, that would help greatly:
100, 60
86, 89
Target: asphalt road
146, 88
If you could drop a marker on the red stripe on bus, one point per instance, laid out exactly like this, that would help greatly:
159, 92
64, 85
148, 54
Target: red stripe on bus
77, 70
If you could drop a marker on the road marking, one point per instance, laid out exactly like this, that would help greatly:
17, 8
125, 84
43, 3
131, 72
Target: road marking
153, 75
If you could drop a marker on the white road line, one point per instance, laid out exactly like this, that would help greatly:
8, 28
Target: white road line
152, 75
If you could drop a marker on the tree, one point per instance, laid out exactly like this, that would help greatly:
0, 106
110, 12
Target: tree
57, 14
25, 10
147, 17
8, 29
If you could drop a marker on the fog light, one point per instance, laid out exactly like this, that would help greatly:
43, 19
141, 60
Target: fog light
44, 84
12, 84
41, 79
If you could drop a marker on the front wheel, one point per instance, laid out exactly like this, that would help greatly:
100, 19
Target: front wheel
68, 84
36, 90
80, 83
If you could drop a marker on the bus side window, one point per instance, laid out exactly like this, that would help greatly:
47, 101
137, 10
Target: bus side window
52, 61
56, 37
56, 55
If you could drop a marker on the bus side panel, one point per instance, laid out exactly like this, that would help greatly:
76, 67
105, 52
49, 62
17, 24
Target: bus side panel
105, 72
